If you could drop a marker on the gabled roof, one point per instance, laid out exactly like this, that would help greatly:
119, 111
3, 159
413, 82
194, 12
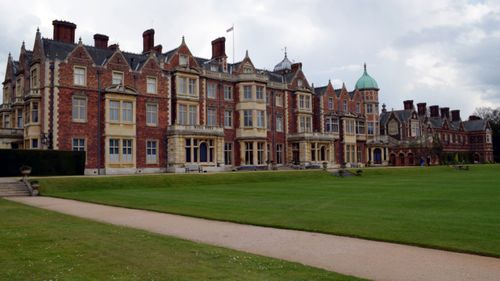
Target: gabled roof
475, 125
436, 123
384, 117
320, 90
403, 115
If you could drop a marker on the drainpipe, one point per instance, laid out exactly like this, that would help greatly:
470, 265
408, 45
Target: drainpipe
51, 107
99, 113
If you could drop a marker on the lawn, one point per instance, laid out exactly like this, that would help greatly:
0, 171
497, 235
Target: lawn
42, 245
437, 207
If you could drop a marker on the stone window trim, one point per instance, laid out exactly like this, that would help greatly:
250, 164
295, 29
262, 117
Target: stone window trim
79, 96
228, 119
120, 111
228, 92
76, 79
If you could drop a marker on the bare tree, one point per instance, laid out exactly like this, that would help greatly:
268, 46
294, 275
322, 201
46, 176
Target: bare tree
488, 113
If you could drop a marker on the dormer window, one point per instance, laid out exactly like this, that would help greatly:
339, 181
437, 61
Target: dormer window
183, 60
117, 78
300, 83
214, 68
247, 70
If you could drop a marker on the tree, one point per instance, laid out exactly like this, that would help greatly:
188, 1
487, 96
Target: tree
493, 116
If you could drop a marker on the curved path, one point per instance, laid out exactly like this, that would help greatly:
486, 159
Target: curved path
351, 256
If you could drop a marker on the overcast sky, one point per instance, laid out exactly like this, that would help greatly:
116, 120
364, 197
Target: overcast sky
444, 52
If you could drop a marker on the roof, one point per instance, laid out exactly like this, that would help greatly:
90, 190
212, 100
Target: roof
366, 82
436, 122
320, 90
384, 117
285, 64
475, 125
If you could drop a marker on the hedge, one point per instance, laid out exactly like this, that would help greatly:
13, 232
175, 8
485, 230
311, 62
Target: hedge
42, 162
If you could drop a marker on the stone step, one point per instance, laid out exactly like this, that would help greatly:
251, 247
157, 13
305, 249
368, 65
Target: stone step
7, 194
22, 186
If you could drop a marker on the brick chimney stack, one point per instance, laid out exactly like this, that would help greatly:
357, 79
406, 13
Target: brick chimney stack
455, 115
219, 48
64, 31
434, 110
296, 66
101, 41
148, 40
408, 104
445, 112
422, 108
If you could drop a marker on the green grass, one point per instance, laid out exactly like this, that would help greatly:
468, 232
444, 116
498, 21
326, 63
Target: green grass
36, 244
437, 207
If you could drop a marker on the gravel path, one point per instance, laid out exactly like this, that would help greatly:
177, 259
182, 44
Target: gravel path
351, 256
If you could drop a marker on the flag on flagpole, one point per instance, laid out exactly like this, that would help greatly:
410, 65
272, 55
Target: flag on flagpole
230, 29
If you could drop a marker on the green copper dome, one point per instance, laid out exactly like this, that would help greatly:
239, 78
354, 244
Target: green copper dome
366, 82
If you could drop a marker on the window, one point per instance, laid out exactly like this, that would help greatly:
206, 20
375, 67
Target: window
228, 119
301, 101
79, 109
247, 118
279, 123
19, 119
117, 78
308, 102
260, 153
279, 153
313, 151
78, 144
249, 153
152, 114
151, 85
358, 108
268, 120
79, 76
114, 150
193, 114
114, 109
19, 87
260, 92
369, 108
360, 128
182, 114
211, 117
34, 112
6, 121
345, 106
228, 92
488, 137
34, 143
228, 153
247, 92
127, 150
151, 152
192, 87
332, 125
349, 125
330, 103
247, 70
279, 100
212, 90
300, 83
305, 124
183, 60
393, 128
370, 128
34, 78
127, 111
260, 119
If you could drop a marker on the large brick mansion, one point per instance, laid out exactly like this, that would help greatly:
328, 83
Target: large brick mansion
168, 111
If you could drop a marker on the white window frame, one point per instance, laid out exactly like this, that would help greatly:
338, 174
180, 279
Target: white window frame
114, 111
228, 92
114, 150
151, 85
248, 118
79, 79
279, 123
151, 151
117, 75
247, 92
79, 108
211, 116
259, 92
228, 118
260, 119
152, 114
80, 144
211, 90
127, 150
127, 113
